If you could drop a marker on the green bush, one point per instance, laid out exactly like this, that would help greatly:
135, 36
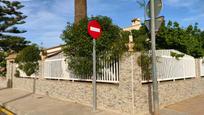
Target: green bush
144, 61
28, 58
79, 45
3, 64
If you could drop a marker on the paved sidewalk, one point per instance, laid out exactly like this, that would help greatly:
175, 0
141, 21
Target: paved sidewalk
26, 103
192, 106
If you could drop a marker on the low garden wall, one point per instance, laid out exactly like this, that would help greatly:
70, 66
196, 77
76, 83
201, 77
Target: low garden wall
3, 82
116, 97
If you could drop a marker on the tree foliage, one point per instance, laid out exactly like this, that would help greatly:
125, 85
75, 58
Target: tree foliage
141, 39
13, 44
28, 58
79, 44
10, 18
188, 40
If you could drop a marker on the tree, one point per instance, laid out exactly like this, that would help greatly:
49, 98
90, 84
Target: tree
187, 40
78, 48
13, 44
10, 18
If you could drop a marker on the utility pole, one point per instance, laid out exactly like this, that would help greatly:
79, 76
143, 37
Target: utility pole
154, 69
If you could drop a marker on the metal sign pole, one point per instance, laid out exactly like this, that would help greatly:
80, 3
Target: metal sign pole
94, 75
155, 83
94, 30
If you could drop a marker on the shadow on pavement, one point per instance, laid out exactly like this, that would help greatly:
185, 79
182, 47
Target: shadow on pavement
18, 98
4, 88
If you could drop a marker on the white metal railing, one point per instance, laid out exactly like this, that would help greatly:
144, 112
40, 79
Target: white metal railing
169, 68
55, 69
58, 69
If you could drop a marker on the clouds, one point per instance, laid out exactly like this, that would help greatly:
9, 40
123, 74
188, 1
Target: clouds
46, 21
181, 3
191, 5
47, 18
21, 0
121, 11
185, 11
194, 18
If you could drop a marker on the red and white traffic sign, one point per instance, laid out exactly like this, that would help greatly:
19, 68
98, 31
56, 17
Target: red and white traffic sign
94, 29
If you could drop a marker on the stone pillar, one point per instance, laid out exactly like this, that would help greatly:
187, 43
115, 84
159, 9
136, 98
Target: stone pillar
43, 55
11, 69
198, 67
80, 10
125, 84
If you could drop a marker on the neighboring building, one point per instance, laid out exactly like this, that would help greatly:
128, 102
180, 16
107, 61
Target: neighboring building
136, 24
50, 52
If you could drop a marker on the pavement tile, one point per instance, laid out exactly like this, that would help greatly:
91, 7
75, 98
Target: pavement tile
27, 103
191, 106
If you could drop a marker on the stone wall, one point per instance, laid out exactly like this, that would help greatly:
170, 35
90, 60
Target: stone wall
3, 82
171, 92
116, 97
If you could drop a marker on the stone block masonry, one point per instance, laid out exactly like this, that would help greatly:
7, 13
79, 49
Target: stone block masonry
3, 82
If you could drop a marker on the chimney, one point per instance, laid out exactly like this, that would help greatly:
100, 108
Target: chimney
136, 24
80, 10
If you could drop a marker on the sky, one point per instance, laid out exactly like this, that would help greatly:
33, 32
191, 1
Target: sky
48, 18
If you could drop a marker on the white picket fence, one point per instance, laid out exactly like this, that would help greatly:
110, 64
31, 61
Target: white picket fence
58, 69
169, 68
55, 69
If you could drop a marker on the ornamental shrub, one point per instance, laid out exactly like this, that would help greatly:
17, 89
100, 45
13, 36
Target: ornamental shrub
28, 58
79, 45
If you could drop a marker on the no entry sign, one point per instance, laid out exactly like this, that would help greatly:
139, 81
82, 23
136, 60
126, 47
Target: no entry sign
94, 29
